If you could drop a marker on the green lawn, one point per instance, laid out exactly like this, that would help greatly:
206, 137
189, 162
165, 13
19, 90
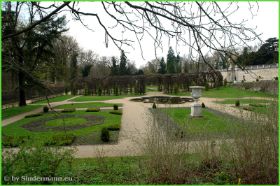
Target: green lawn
67, 121
86, 105
99, 98
9, 112
228, 92
56, 99
210, 125
244, 101
16, 129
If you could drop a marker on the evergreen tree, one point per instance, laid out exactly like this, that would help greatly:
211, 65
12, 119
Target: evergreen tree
115, 67
177, 64
123, 64
31, 50
162, 67
171, 61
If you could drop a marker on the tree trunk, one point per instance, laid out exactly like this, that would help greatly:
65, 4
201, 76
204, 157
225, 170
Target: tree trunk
21, 80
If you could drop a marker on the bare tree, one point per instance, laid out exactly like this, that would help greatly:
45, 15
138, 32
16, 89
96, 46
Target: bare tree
200, 26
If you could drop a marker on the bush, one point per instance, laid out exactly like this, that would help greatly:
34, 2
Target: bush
237, 103
203, 105
114, 128
93, 110
256, 105
36, 161
105, 135
154, 105
14, 141
32, 115
116, 112
69, 110
60, 140
45, 109
116, 107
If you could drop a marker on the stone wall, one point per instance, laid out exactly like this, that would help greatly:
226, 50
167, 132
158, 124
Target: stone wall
251, 74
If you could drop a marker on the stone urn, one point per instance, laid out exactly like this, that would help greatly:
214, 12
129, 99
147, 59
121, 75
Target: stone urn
196, 106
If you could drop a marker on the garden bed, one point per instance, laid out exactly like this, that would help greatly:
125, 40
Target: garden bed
45, 128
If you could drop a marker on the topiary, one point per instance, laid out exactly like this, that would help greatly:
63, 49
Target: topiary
154, 105
237, 103
32, 115
93, 110
116, 107
46, 109
202, 105
116, 112
69, 110
105, 135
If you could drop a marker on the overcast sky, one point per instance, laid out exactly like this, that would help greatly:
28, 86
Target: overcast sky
266, 21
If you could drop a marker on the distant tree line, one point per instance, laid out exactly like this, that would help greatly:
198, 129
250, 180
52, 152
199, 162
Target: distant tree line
266, 54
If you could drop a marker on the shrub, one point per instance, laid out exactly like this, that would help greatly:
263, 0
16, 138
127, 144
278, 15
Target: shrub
202, 105
69, 110
116, 107
223, 178
256, 105
276, 78
105, 135
45, 109
93, 110
36, 161
114, 128
32, 115
154, 105
14, 141
237, 103
116, 112
60, 140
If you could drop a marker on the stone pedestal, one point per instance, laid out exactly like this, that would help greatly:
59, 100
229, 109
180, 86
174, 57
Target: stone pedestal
196, 110
196, 107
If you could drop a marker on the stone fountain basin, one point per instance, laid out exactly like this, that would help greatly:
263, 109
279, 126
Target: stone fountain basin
163, 99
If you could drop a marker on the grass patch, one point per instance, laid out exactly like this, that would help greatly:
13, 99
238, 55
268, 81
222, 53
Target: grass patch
99, 98
244, 101
16, 129
66, 121
210, 125
228, 92
10, 112
86, 105
55, 99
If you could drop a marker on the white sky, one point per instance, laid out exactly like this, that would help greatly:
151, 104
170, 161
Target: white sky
266, 22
